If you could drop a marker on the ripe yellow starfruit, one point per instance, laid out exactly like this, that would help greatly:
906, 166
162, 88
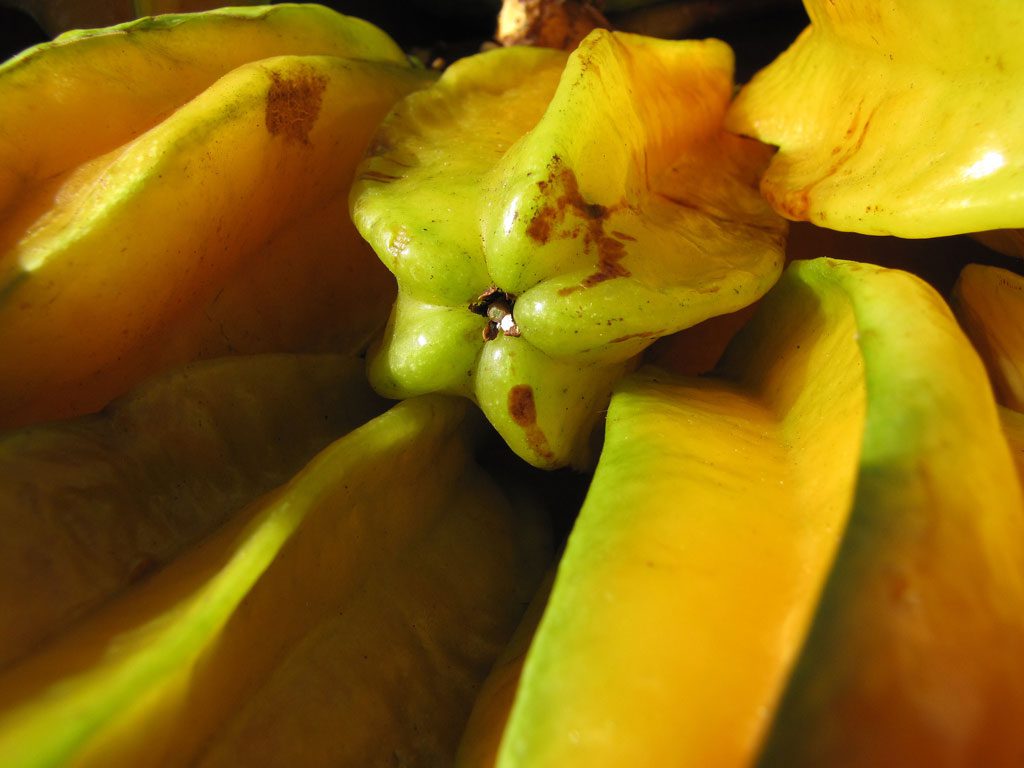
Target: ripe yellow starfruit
547, 217
91, 505
176, 188
345, 618
813, 557
989, 302
57, 16
895, 118
481, 738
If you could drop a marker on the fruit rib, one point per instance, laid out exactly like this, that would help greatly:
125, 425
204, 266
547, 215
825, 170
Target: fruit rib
895, 118
152, 678
924, 601
89, 91
407, 654
608, 208
481, 738
90, 505
989, 302
696, 558
113, 283
791, 559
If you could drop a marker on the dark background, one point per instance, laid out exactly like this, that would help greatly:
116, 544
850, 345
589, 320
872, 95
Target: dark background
757, 30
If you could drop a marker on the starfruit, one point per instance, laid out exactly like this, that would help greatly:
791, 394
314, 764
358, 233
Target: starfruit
989, 302
895, 118
90, 506
549, 216
481, 738
813, 557
175, 188
345, 618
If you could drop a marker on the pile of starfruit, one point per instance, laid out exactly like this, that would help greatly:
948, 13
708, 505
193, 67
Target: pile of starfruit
559, 409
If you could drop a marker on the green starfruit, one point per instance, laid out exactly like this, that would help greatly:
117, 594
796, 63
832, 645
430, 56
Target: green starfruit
548, 216
895, 118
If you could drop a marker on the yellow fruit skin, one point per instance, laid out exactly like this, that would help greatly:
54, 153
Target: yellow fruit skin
813, 557
408, 654
989, 302
481, 738
218, 229
693, 567
374, 582
1013, 428
91, 505
89, 91
916, 653
895, 118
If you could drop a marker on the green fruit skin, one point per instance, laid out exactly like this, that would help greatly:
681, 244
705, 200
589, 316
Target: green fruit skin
595, 253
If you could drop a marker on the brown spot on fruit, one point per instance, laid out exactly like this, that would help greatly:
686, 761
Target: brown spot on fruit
293, 104
589, 221
523, 410
608, 267
521, 406
541, 225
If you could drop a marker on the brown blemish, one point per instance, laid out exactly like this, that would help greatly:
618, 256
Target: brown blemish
588, 225
611, 252
293, 104
854, 122
521, 406
523, 410
541, 225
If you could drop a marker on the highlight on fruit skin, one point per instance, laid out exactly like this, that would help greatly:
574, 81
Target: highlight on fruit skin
171, 190
812, 557
608, 208
895, 118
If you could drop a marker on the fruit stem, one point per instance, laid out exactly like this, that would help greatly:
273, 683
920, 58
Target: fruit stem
496, 305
